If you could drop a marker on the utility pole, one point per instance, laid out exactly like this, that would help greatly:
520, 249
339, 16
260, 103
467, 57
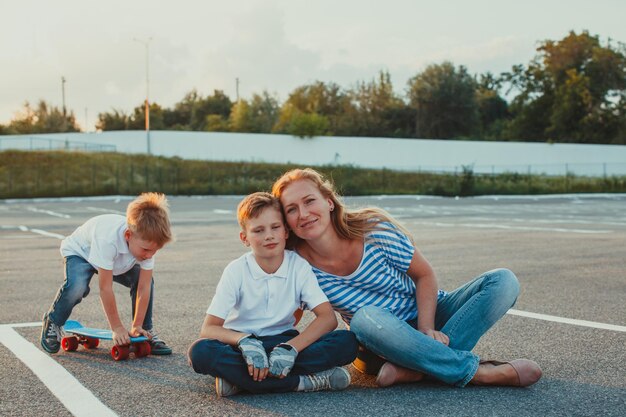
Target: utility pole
147, 110
63, 94
86, 119
237, 88
63, 124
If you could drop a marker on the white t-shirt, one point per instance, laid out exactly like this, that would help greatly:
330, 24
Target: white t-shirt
100, 241
253, 301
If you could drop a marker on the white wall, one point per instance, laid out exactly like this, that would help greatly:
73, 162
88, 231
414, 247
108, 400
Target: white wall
396, 154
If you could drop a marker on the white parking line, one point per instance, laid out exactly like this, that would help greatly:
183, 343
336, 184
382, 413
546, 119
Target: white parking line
81, 402
39, 232
103, 210
557, 319
73, 395
51, 213
502, 226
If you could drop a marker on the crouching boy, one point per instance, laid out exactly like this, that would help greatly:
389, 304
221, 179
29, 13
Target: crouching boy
248, 338
119, 249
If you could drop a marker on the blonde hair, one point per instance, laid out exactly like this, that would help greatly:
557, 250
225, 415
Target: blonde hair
148, 217
349, 224
253, 204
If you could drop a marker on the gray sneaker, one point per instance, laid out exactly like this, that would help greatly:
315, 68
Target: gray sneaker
225, 388
334, 379
51, 335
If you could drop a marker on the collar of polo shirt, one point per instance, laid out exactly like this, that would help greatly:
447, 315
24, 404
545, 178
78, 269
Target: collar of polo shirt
258, 273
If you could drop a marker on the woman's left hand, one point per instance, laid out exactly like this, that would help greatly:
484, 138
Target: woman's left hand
438, 336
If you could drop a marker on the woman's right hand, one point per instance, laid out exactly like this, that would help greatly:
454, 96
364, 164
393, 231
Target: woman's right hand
438, 336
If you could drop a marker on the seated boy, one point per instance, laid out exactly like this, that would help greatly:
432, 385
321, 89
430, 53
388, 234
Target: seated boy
119, 249
249, 340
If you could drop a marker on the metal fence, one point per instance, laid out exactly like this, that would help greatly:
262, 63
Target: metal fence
34, 143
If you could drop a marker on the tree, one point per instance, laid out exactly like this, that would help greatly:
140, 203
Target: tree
327, 100
264, 111
137, 120
445, 102
240, 117
216, 123
257, 116
574, 90
42, 119
115, 120
191, 113
379, 111
493, 110
308, 125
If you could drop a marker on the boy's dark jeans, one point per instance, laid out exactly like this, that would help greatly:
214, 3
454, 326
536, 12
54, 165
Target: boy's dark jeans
218, 359
78, 273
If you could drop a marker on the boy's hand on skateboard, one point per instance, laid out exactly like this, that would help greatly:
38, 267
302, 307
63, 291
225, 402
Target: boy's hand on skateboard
254, 354
136, 331
282, 358
121, 336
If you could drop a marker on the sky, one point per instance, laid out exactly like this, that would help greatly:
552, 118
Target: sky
273, 45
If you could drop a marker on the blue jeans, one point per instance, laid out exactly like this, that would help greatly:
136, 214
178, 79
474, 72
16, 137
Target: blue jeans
212, 357
78, 273
464, 315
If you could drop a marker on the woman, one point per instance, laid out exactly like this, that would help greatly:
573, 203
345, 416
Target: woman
387, 292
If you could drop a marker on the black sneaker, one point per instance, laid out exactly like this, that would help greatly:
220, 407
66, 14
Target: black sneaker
51, 335
158, 346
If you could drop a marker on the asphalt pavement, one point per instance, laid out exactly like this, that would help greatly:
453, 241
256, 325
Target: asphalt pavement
569, 253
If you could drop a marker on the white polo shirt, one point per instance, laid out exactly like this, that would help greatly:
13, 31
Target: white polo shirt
253, 301
101, 242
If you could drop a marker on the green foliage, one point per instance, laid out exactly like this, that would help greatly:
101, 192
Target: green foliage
378, 111
444, 98
63, 173
115, 120
258, 116
216, 123
574, 90
327, 100
492, 108
307, 125
41, 119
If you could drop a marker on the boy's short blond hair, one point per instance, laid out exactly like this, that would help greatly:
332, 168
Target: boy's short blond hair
148, 216
253, 204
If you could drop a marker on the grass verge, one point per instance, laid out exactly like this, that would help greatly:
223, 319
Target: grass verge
27, 174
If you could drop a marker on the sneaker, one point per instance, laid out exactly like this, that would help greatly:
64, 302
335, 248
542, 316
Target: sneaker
225, 388
335, 379
51, 335
158, 346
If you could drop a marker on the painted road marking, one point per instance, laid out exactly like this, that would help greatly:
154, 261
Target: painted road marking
51, 213
575, 322
73, 395
38, 231
103, 210
502, 226
81, 402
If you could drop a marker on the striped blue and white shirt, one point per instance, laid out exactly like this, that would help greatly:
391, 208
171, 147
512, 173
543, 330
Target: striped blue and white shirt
380, 280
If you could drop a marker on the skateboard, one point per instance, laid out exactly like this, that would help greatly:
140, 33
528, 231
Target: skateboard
90, 339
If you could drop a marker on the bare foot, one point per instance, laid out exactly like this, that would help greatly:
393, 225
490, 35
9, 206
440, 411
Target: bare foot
391, 374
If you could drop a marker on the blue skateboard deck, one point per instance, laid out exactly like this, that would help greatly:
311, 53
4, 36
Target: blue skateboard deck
90, 339
75, 327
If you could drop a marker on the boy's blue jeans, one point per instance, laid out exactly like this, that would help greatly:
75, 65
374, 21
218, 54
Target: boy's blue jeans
464, 315
78, 273
212, 357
